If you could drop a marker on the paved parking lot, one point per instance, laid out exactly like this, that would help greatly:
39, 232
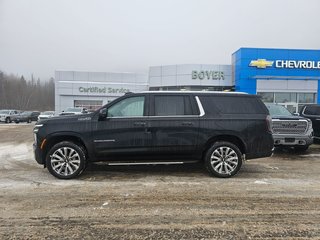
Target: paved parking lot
271, 198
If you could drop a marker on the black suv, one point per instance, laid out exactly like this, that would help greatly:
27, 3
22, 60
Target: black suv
221, 129
312, 112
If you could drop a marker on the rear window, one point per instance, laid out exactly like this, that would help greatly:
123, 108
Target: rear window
232, 105
312, 110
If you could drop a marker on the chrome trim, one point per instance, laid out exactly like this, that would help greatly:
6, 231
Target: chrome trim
142, 163
104, 140
127, 117
198, 92
308, 115
300, 120
200, 107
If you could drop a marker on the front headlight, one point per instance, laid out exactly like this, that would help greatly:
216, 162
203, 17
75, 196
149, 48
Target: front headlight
36, 128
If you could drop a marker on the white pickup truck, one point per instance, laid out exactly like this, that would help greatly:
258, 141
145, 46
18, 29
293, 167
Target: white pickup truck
5, 115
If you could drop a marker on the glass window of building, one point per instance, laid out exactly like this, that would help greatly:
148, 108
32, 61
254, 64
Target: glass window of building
306, 97
266, 96
285, 97
91, 105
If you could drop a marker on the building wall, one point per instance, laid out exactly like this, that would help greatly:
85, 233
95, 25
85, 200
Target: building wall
94, 86
190, 75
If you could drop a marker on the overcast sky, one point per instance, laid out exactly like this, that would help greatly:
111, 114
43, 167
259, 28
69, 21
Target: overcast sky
40, 36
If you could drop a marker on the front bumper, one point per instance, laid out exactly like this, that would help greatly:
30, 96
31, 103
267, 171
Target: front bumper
293, 140
37, 154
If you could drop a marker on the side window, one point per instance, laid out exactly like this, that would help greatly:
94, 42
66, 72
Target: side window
231, 105
172, 105
128, 107
312, 110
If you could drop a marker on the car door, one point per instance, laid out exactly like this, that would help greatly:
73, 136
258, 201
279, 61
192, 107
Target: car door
123, 134
174, 125
313, 113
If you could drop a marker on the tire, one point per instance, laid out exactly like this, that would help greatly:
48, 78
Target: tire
66, 160
16, 121
301, 148
29, 120
223, 159
8, 120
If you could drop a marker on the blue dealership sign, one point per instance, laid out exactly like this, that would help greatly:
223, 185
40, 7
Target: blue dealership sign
250, 64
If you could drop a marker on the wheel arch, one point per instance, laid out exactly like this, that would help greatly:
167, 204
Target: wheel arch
236, 140
55, 138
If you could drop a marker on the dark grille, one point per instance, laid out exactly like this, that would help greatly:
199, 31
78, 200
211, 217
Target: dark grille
289, 126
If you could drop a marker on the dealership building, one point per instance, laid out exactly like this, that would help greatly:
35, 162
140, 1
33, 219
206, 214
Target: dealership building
285, 76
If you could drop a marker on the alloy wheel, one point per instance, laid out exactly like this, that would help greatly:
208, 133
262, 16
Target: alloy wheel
224, 160
65, 161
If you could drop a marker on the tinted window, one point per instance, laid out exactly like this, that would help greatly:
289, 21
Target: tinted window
312, 110
132, 106
231, 105
172, 105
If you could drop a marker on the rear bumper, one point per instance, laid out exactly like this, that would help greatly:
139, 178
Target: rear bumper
260, 154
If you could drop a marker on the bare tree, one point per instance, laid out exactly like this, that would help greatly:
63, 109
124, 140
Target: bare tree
19, 93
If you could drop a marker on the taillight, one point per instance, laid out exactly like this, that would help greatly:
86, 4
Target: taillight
269, 123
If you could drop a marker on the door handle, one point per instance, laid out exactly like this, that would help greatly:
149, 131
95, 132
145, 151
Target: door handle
139, 124
186, 123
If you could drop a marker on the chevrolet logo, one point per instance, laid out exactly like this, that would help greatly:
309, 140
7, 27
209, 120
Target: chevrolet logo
261, 63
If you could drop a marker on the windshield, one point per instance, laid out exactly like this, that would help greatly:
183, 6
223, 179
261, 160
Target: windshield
4, 112
278, 110
73, 110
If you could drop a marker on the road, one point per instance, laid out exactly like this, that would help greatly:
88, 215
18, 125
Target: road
271, 198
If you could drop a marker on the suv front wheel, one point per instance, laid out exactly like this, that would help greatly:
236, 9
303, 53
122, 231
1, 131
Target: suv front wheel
66, 160
223, 159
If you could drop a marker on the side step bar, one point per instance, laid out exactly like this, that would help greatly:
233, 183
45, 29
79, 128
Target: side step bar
143, 163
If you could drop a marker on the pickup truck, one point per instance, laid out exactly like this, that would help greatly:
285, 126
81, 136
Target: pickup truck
6, 115
290, 130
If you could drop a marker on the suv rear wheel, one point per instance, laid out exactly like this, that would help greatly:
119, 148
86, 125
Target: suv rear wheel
223, 159
66, 160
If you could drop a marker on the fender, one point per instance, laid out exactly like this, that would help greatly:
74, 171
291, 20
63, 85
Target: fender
64, 135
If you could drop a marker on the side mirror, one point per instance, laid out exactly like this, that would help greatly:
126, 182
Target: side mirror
103, 114
296, 114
